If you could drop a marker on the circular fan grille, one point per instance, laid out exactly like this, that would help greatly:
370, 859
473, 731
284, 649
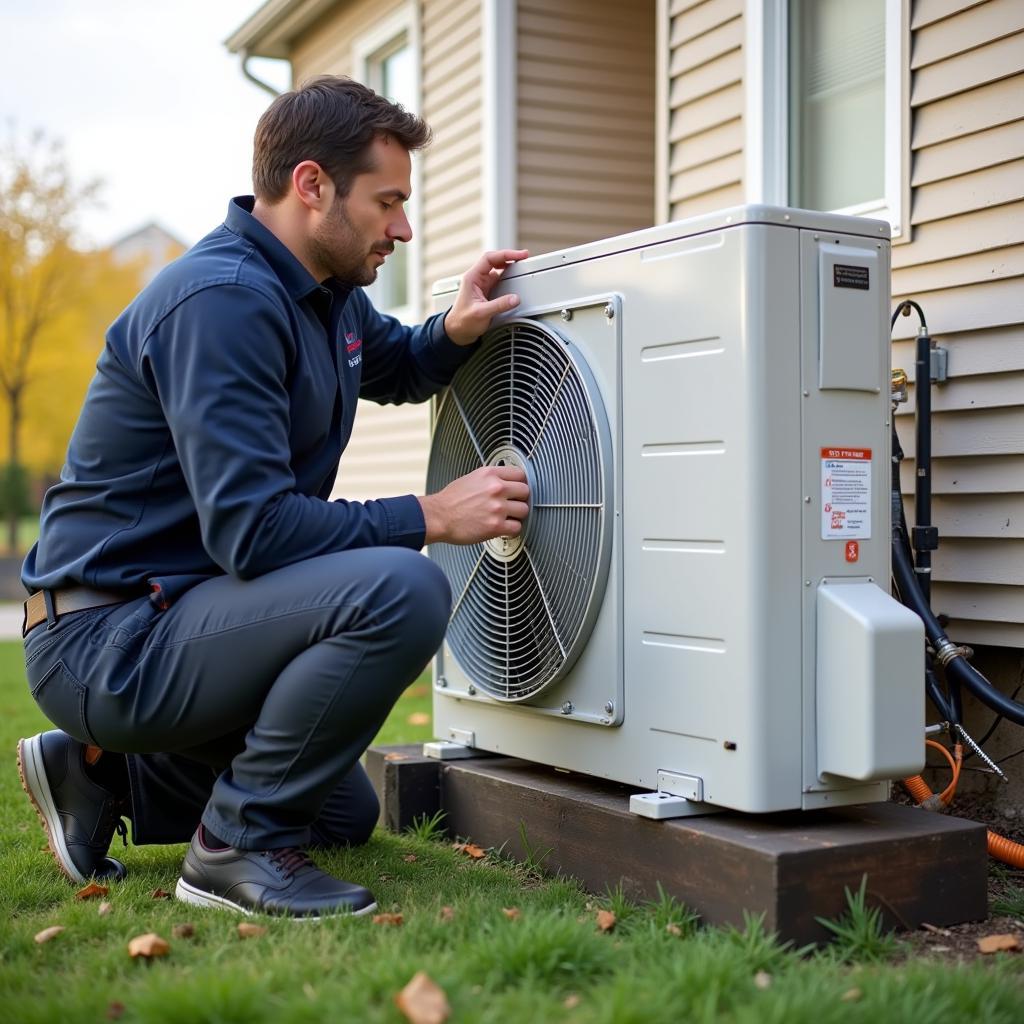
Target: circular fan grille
523, 607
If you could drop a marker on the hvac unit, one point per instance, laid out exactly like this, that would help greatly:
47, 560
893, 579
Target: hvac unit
699, 601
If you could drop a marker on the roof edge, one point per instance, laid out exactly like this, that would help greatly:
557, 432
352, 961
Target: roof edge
272, 28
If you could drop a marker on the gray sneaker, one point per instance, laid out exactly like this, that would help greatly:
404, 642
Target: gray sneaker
284, 882
80, 816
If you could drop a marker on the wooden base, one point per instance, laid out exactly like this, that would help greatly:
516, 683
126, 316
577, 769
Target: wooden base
792, 867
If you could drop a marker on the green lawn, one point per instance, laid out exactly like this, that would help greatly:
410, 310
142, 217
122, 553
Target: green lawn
549, 963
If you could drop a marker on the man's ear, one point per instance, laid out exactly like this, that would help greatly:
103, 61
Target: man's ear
313, 187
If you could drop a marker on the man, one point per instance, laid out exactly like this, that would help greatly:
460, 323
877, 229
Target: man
197, 602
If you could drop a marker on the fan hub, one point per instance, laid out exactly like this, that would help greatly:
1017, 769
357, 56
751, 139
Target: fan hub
507, 548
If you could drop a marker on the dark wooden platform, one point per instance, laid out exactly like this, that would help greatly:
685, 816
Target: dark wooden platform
793, 867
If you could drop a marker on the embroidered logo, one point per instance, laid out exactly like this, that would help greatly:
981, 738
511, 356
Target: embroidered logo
353, 349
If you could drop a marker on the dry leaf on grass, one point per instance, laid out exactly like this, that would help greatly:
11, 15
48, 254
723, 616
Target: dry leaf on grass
851, 995
447, 914
470, 850
148, 946
183, 931
423, 1001
673, 929
394, 919
572, 1000
410, 858
605, 920
160, 894
512, 913
91, 891
247, 930
418, 718
998, 943
762, 980
115, 1011
49, 933
105, 908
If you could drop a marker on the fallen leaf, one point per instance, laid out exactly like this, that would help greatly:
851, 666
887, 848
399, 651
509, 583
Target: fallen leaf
605, 920
49, 933
160, 894
410, 858
148, 946
673, 929
851, 995
572, 1000
447, 914
423, 1001
183, 931
998, 943
394, 919
91, 891
762, 980
105, 908
247, 930
115, 1011
470, 850
512, 913
418, 718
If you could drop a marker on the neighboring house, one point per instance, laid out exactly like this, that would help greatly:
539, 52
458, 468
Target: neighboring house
560, 122
150, 246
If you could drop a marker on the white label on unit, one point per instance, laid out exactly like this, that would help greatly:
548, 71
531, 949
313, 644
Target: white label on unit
845, 493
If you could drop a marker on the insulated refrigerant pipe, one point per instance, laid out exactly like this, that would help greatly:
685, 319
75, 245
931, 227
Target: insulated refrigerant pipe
923, 460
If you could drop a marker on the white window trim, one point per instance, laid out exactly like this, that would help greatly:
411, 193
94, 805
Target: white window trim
766, 117
403, 21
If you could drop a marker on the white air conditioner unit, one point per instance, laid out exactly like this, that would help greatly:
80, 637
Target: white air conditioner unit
699, 602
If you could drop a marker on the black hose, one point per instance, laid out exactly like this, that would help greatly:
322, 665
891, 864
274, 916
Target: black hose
923, 541
904, 307
958, 669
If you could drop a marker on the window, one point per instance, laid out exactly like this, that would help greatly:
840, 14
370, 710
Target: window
828, 111
386, 61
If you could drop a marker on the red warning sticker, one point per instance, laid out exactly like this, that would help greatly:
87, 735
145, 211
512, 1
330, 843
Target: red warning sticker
846, 496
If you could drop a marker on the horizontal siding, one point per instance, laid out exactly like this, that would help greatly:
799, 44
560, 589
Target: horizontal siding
325, 48
585, 121
705, 100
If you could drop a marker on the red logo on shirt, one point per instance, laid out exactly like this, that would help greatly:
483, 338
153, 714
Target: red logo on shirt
354, 348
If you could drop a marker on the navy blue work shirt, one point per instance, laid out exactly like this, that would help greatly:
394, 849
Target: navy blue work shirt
211, 433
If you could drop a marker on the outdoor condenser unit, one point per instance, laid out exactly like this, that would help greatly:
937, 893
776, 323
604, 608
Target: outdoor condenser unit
699, 602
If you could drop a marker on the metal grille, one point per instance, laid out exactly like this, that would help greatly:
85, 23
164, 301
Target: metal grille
524, 607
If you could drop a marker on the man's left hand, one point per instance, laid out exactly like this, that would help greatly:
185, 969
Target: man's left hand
473, 310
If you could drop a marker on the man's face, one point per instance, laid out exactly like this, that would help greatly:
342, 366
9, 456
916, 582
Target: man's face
359, 231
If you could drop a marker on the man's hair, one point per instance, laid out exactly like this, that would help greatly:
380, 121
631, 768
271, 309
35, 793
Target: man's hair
331, 120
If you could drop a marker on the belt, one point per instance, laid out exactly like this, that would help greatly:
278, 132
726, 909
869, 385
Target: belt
63, 602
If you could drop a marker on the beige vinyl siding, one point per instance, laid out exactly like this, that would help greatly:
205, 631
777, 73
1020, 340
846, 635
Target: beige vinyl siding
705, 99
585, 124
325, 48
965, 265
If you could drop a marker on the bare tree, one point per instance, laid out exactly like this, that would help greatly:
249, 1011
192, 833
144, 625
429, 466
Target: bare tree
38, 204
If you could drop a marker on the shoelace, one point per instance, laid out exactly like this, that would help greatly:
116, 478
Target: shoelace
289, 859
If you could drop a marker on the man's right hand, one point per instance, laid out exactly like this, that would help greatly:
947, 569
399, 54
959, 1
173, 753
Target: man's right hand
489, 502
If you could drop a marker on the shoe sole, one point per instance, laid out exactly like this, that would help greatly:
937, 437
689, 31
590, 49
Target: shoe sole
198, 898
33, 780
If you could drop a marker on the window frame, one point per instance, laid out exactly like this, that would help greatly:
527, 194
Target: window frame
767, 113
369, 50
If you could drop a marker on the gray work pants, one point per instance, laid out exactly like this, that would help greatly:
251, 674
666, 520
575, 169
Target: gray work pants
249, 702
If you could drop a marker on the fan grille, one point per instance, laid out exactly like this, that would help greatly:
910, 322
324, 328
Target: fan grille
523, 607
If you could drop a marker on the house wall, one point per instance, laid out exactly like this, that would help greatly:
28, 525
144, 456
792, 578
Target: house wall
705, 99
963, 263
387, 454
585, 120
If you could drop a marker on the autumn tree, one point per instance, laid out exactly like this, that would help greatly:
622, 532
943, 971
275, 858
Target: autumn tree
38, 204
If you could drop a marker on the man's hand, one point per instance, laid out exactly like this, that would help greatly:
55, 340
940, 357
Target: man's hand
473, 310
489, 502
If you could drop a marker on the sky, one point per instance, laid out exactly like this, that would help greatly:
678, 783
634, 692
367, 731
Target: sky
145, 97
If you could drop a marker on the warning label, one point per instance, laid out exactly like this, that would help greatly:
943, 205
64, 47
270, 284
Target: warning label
845, 493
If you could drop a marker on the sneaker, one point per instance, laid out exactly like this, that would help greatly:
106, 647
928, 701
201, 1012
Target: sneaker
79, 815
283, 882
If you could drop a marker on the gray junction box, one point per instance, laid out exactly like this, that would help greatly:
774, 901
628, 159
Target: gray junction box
699, 602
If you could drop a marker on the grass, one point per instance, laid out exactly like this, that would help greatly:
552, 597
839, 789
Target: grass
550, 963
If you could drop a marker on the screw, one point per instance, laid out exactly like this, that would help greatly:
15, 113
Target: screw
609, 311
609, 707
566, 315
471, 690
807, 499
442, 682
567, 708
